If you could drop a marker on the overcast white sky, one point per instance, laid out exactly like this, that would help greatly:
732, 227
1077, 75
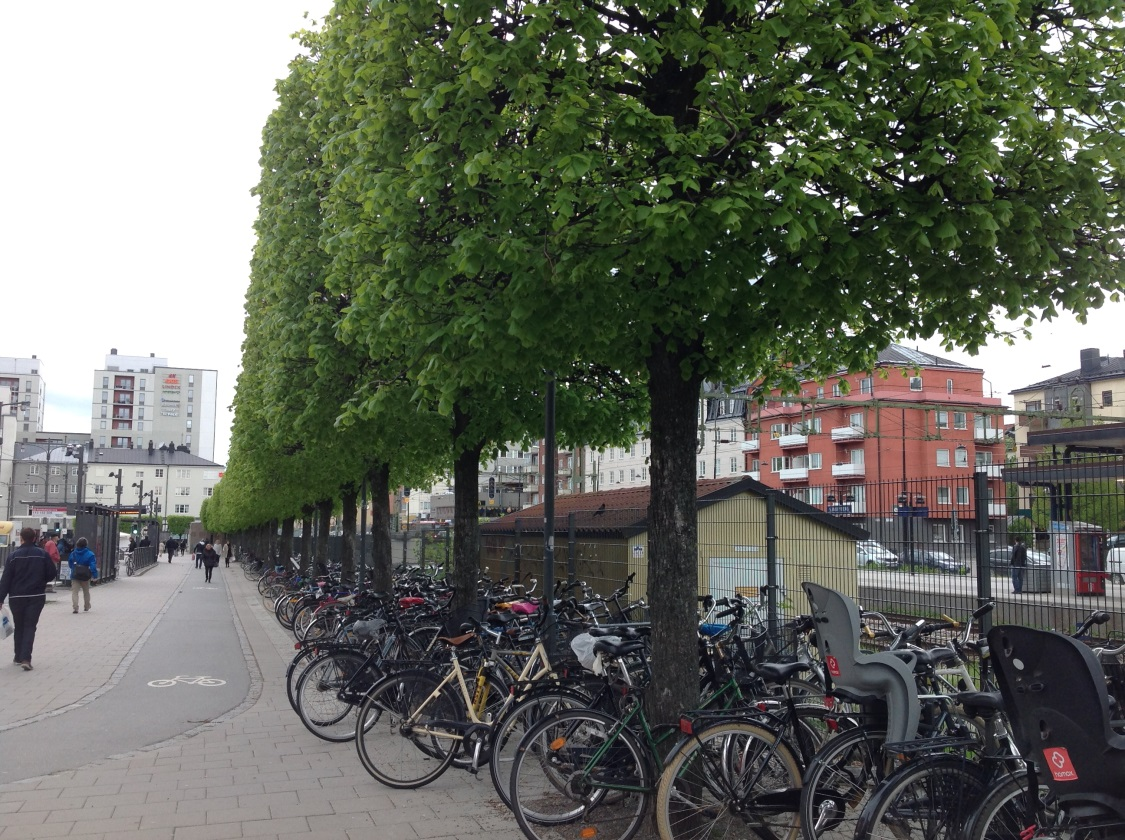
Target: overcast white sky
130, 144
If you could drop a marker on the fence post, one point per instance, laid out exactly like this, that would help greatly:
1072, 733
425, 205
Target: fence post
571, 549
771, 567
517, 558
981, 495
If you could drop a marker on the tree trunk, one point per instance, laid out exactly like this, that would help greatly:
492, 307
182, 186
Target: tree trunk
349, 497
285, 549
324, 508
382, 562
466, 527
306, 539
673, 535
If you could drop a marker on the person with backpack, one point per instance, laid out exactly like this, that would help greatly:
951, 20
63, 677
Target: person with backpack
83, 569
199, 548
23, 584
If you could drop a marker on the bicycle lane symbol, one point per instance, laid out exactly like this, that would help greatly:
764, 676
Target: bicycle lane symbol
208, 682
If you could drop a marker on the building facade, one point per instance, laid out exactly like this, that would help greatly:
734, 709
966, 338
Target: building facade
21, 381
138, 400
1094, 392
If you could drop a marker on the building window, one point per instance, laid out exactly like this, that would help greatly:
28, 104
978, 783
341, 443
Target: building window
621, 476
777, 463
778, 429
961, 457
943, 457
836, 390
949, 386
182, 508
101, 441
99, 489
856, 420
183, 491
188, 424
105, 396
820, 393
962, 495
33, 489
960, 420
943, 495
943, 419
1033, 405
105, 381
191, 379
866, 386
33, 469
160, 472
183, 473
140, 399
54, 489
983, 459
208, 491
56, 470
1107, 398
915, 383
190, 394
143, 381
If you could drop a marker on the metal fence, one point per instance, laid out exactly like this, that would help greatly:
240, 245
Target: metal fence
935, 546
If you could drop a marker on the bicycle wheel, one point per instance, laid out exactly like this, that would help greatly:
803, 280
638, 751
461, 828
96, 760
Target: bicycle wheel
732, 780
506, 735
838, 782
294, 670
1005, 813
926, 798
303, 619
407, 734
319, 704
578, 774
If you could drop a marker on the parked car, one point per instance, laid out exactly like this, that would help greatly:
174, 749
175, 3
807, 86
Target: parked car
873, 553
1115, 564
925, 558
1000, 558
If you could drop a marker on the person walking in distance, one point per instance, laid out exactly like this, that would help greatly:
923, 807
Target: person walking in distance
170, 547
1018, 564
210, 561
52, 550
199, 548
83, 569
24, 583
228, 550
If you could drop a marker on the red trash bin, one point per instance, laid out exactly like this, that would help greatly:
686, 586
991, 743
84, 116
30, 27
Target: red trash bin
1089, 583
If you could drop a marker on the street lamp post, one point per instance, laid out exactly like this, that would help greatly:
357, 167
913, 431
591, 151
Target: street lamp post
140, 485
117, 475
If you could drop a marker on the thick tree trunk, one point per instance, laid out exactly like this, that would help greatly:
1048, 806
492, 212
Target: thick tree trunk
381, 561
466, 527
324, 509
673, 535
349, 496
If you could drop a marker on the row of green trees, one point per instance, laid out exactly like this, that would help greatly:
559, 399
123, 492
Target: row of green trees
462, 202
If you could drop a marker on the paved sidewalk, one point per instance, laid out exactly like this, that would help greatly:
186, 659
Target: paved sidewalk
78, 657
256, 773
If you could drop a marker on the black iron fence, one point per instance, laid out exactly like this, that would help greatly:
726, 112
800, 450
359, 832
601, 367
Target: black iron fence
935, 546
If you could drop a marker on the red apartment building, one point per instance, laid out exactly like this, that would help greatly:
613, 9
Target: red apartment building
902, 441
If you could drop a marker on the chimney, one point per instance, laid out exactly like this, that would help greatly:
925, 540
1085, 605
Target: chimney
113, 351
1091, 359
151, 445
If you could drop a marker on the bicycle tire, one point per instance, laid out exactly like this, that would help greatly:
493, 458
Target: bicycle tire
928, 797
319, 705
507, 733
578, 774
294, 670
839, 781
407, 758
303, 617
1003, 813
734, 780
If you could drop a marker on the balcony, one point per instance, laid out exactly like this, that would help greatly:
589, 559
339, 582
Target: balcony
996, 511
991, 470
988, 435
794, 474
846, 433
790, 441
754, 474
848, 470
751, 445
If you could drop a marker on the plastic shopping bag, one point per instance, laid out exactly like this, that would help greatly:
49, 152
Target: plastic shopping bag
6, 628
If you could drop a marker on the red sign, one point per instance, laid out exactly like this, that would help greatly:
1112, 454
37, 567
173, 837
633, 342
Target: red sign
1058, 759
833, 665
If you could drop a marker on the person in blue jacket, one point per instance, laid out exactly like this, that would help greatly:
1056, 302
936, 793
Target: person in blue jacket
83, 569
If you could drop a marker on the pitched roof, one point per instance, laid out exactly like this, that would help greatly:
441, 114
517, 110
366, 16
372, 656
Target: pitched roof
898, 354
624, 513
1109, 367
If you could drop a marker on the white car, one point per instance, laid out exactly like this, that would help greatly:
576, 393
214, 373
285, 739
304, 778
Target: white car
1115, 564
870, 552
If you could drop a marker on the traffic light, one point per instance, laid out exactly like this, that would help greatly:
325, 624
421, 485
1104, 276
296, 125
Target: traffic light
406, 492
492, 488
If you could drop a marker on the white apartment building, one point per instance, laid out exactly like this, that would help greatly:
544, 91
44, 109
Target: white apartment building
178, 481
138, 400
21, 380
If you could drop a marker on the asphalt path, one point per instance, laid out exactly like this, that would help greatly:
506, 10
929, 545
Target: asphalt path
195, 638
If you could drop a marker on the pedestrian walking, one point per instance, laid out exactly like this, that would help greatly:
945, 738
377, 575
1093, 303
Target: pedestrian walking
210, 561
199, 548
83, 569
170, 547
52, 550
1018, 564
228, 550
183, 545
24, 584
